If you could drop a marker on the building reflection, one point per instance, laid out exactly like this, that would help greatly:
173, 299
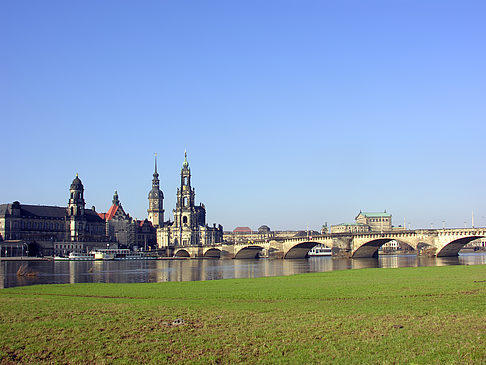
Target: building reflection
134, 271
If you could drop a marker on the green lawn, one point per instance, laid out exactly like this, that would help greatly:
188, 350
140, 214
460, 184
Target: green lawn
410, 315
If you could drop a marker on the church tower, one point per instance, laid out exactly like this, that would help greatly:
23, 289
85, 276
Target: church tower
184, 212
76, 207
156, 201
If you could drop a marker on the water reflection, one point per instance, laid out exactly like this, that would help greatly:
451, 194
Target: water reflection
205, 269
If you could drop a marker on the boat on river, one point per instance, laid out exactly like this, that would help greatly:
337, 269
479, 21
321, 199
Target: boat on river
120, 254
320, 250
76, 256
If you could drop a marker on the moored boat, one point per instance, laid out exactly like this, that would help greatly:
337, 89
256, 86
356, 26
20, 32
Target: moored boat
320, 250
76, 256
120, 254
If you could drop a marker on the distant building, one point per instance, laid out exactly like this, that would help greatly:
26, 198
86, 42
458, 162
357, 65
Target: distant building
350, 228
366, 222
242, 230
377, 221
120, 227
145, 235
324, 229
264, 229
189, 226
52, 230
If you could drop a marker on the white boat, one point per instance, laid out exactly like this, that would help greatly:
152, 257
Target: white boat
120, 254
319, 250
76, 256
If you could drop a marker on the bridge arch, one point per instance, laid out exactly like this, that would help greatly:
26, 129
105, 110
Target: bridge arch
182, 253
248, 252
213, 253
370, 248
452, 248
300, 250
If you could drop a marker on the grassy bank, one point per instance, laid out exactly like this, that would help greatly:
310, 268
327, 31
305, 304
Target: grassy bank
410, 315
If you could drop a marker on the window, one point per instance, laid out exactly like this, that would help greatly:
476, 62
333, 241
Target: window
184, 219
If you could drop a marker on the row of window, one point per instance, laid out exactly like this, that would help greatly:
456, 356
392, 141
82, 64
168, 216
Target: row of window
70, 246
46, 226
379, 219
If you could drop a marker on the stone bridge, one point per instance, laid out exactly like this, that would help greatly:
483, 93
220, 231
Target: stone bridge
439, 242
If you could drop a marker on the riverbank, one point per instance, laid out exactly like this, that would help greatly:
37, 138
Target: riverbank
408, 315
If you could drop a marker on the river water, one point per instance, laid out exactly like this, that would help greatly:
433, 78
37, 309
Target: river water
133, 271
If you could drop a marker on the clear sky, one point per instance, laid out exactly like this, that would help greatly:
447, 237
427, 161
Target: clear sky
293, 113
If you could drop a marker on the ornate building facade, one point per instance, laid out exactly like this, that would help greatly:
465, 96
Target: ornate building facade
377, 221
366, 222
51, 229
189, 226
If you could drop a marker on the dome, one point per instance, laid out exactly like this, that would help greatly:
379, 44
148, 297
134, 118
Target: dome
264, 229
77, 184
156, 194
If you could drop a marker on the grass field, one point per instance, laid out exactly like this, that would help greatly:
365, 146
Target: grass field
410, 315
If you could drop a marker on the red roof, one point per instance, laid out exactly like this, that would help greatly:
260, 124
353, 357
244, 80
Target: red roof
242, 230
142, 223
111, 213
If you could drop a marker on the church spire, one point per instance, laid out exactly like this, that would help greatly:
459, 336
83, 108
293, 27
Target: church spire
156, 175
155, 180
156, 200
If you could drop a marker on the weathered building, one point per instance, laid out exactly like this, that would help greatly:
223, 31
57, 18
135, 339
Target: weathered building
119, 225
145, 235
53, 230
124, 230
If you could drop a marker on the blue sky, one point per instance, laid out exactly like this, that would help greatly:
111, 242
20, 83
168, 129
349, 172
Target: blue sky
293, 113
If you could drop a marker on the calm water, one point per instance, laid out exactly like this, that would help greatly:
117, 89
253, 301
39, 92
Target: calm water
61, 272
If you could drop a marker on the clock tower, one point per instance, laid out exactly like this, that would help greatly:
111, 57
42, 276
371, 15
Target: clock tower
156, 201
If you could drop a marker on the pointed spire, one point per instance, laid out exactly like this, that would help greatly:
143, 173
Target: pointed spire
156, 175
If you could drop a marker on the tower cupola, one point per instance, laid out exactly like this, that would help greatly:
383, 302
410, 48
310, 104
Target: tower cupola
115, 200
76, 197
